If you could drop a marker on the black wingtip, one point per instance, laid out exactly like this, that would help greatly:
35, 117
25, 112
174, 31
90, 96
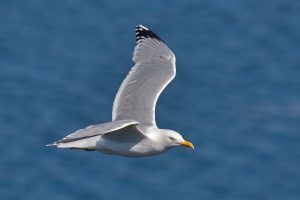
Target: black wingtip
143, 32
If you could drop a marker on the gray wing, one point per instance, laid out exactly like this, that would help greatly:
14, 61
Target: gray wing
95, 130
154, 68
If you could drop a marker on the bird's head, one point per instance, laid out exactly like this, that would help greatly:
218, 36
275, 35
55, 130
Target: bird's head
172, 139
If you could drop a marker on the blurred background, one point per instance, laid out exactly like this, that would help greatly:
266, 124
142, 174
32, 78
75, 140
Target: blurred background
236, 97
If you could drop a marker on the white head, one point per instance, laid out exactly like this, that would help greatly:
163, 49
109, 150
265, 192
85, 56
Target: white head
172, 138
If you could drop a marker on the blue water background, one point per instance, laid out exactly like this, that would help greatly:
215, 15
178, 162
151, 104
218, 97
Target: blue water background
236, 97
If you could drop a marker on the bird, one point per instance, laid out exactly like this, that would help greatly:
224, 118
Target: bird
133, 131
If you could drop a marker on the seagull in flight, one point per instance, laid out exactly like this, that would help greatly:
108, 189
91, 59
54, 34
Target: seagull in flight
133, 131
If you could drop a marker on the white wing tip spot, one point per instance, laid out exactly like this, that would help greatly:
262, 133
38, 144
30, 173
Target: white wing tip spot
141, 27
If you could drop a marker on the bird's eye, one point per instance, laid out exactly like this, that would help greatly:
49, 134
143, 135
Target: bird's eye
171, 138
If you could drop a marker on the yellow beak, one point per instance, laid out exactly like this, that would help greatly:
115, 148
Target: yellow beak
187, 144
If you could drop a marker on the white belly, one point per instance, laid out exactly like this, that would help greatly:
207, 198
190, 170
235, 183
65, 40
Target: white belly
141, 149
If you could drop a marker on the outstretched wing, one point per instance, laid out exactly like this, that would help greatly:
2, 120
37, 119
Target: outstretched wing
95, 130
154, 68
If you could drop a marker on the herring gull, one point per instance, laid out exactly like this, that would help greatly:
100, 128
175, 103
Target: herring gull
133, 131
